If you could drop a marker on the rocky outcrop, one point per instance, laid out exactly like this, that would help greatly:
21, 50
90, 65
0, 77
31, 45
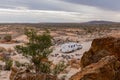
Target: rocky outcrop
100, 48
22, 74
102, 61
108, 68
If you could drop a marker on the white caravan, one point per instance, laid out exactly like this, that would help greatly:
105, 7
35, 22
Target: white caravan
70, 47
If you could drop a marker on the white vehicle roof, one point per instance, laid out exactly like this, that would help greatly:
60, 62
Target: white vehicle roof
71, 46
70, 43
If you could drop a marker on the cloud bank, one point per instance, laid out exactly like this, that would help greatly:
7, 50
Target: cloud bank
19, 11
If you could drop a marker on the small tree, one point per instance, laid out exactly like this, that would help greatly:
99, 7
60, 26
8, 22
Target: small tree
58, 68
8, 64
37, 49
8, 38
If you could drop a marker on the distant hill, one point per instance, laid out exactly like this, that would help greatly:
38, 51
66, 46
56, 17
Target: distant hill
99, 22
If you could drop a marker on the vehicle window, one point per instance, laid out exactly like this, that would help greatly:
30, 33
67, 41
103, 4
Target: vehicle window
74, 45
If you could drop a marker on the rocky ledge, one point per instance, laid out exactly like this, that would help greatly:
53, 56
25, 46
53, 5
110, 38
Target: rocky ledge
102, 61
100, 48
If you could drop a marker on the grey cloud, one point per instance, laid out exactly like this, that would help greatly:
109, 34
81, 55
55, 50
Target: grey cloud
58, 10
104, 4
58, 4
31, 4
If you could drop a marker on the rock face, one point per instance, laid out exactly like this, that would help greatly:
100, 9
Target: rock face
19, 74
108, 68
102, 61
100, 48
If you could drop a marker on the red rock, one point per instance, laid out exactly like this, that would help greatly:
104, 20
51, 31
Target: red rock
108, 68
100, 48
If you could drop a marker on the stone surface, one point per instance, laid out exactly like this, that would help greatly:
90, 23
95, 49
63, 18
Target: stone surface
100, 48
108, 68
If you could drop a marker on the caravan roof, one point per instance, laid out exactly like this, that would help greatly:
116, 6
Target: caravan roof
69, 47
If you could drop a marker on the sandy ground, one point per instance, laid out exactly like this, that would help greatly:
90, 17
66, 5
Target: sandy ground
76, 54
4, 75
9, 46
21, 38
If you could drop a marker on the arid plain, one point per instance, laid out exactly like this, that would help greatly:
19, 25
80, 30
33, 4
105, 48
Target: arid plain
61, 33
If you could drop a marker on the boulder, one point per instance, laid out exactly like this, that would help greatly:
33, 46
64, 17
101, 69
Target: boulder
108, 68
100, 48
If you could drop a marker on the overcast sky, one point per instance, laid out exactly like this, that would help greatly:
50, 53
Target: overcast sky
58, 10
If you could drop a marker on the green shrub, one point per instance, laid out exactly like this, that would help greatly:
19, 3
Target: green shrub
17, 64
38, 49
59, 68
8, 64
7, 38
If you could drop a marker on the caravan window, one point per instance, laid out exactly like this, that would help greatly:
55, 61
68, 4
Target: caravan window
74, 45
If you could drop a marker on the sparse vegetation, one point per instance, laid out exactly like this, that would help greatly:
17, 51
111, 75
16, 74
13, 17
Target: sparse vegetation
40, 46
58, 68
8, 64
37, 49
7, 38
17, 64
